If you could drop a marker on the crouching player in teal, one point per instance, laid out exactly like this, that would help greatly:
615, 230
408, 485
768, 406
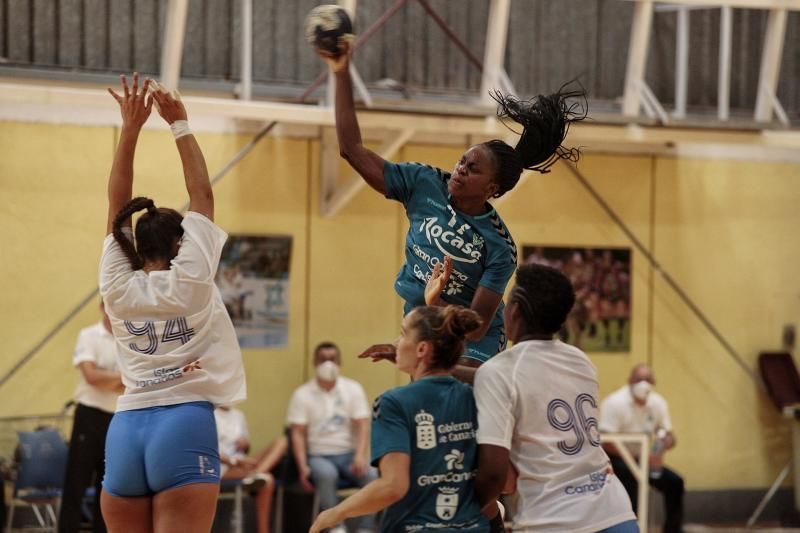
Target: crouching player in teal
423, 435
449, 214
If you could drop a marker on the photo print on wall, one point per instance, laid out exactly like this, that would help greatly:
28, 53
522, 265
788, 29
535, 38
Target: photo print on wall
601, 277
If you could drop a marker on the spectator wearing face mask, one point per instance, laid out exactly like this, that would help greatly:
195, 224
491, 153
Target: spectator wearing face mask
329, 418
636, 408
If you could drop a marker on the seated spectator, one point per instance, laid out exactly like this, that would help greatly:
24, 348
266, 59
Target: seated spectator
329, 417
636, 408
254, 471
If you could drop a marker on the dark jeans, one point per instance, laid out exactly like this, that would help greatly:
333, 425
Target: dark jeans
85, 466
670, 484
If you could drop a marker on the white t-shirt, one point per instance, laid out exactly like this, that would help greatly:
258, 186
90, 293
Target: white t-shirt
619, 413
96, 345
231, 426
329, 415
175, 340
538, 400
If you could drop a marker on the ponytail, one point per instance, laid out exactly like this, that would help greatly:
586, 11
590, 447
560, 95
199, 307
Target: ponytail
445, 328
156, 232
458, 321
134, 205
545, 122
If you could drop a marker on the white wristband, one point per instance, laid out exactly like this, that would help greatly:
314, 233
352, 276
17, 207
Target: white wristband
180, 128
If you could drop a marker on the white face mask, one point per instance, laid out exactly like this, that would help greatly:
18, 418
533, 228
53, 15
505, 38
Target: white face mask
641, 389
327, 371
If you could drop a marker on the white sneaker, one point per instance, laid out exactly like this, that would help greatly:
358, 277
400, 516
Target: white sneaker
338, 529
255, 482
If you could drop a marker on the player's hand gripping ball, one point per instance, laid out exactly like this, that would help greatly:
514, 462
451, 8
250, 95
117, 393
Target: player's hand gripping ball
327, 27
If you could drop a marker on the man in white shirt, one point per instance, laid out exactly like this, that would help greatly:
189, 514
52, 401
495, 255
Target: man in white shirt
329, 418
96, 397
636, 408
537, 411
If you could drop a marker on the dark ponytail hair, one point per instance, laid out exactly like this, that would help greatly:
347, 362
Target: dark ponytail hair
445, 328
156, 232
545, 122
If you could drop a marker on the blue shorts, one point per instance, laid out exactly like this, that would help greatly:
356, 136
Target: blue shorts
492, 343
631, 526
160, 448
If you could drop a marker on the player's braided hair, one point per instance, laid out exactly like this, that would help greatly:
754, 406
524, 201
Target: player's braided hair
544, 296
156, 231
545, 122
446, 328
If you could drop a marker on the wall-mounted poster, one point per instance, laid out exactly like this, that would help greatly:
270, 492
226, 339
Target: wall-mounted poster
253, 278
601, 277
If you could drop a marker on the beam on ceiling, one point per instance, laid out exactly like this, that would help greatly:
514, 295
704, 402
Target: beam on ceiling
793, 5
48, 104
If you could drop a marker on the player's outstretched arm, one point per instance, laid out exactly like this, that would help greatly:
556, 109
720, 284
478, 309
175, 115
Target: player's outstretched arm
195, 172
380, 352
363, 160
375, 496
135, 107
485, 303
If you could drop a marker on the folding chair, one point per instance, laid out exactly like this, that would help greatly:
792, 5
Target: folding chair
287, 482
234, 489
286, 479
783, 385
40, 464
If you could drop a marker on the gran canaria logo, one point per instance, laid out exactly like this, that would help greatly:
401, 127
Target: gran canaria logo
447, 502
426, 432
437, 235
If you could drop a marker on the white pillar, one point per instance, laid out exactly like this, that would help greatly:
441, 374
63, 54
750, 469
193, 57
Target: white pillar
246, 88
724, 80
495, 49
770, 63
637, 56
171, 54
681, 62
330, 92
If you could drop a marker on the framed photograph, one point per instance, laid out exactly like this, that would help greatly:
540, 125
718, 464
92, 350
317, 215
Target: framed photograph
253, 278
601, 277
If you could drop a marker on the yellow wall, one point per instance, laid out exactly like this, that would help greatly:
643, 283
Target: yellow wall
724, 230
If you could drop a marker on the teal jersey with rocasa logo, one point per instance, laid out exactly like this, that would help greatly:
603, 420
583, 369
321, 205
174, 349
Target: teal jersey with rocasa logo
433, 421
482, 250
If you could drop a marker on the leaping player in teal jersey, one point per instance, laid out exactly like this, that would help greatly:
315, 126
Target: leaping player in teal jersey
449, 214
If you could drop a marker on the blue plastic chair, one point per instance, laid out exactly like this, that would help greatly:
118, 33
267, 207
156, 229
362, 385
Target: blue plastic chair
41, 463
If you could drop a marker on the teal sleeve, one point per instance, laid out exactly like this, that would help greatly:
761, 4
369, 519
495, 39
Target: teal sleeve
499, 271
401, 179
390, 430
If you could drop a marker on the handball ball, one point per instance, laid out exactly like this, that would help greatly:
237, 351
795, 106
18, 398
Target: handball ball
327, 26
